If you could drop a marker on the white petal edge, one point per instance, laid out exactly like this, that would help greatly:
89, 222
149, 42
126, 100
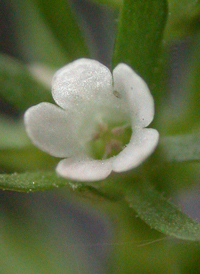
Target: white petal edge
84, 169
52, 130
141, 145
131, 86
81, 82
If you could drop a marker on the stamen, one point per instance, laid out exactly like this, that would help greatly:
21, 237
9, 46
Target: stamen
116, 145
103, 127
112, 145
107, 151
119, 130
107, 142
96, 136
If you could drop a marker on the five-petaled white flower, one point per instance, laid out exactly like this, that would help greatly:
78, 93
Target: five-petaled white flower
96, 110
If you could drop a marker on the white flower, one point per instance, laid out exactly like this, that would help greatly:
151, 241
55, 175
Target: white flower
95, 109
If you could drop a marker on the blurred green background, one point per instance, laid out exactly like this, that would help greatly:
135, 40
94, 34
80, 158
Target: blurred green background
68, 231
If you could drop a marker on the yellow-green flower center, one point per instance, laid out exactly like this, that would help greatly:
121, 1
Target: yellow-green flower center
108, 140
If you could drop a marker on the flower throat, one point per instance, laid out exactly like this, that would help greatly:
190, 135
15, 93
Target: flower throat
108, 140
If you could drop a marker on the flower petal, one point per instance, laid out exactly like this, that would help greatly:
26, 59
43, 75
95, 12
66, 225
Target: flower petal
84, 169
52, 130
131, 86
141, 145
84, 88
80, 82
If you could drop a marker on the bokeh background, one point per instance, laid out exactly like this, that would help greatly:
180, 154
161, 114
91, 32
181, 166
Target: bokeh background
56, 231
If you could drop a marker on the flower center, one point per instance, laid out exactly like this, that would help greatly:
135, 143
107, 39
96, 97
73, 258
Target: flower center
108, 140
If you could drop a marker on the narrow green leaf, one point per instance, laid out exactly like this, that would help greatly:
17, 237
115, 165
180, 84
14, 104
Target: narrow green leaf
32, 181
150, 206
181, 148
63, 25
140, 31
18, 86
161, 214
45, 180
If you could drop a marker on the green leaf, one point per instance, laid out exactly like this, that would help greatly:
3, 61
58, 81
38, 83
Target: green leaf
150, 206
62, 22
181, 148
45, 180
18, 87
32, 181
159, 213
132, 238
139, 36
